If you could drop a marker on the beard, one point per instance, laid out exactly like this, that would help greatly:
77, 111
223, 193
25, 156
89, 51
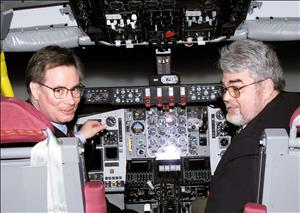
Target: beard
236, 119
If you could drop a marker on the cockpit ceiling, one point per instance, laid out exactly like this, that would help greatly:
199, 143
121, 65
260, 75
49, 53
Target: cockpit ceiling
158, 23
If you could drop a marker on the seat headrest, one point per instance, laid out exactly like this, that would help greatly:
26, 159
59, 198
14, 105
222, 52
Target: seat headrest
22, 122
295, 114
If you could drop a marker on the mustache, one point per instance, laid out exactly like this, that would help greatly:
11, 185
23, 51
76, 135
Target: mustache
230, 105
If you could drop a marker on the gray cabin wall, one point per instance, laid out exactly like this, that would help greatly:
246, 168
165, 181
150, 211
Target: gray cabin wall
111, 66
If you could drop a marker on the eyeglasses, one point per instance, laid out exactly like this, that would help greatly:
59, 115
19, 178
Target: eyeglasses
234, 91
62, 92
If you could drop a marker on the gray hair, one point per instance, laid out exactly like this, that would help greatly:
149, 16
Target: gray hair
255, 56
47, 58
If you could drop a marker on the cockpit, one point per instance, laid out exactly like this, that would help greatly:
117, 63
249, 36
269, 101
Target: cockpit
150, 77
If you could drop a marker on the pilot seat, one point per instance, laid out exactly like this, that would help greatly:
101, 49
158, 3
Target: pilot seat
41, 173
279, 186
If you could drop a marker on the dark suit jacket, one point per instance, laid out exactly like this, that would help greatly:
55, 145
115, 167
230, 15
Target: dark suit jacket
235, 181
58, 133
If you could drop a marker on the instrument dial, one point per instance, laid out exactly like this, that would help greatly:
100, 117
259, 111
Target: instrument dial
161, 121
181, 120
180, 111
181, 130
162, 130
152, 131
152, 141
171, 130
111, 137
137, 127
110, 121
152, 121
220, 115
170, 120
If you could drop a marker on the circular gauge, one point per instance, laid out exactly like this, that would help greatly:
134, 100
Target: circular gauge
138, 114
162, 130
180, 111
181, 130
137, 127
192, 140
152, 141
191, 115
171, 130
110, 121
141, 152
220, 115
160, 112
151, 111
162, 141
161, 121
152, 131
111, 137
192, 124
181, 120
222, 128
182, 140
151, 121
171, 112
140, 142
170, 120
224, 142
172, 141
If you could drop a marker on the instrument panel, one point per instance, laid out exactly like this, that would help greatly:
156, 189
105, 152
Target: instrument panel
155, 132
156, 156
150, 96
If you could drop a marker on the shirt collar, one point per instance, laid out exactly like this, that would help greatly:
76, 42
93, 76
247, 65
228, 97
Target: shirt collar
61, 127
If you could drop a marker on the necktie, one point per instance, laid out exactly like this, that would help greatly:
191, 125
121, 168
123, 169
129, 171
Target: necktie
239, 130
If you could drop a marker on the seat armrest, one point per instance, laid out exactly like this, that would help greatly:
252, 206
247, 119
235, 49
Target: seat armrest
21, 122
94, 197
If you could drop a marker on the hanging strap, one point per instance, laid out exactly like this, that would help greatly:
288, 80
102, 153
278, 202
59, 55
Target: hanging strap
49, 153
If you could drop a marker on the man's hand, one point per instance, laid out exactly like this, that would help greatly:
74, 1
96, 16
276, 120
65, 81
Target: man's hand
91, 127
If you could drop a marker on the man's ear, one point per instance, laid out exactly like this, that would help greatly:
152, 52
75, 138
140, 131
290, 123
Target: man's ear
35, 89
268, 88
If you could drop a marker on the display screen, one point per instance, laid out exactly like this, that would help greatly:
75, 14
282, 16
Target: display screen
139, 166
111, 153
196, 164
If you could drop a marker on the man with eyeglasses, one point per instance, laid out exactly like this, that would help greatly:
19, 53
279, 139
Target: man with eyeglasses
53, 82
253, 94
